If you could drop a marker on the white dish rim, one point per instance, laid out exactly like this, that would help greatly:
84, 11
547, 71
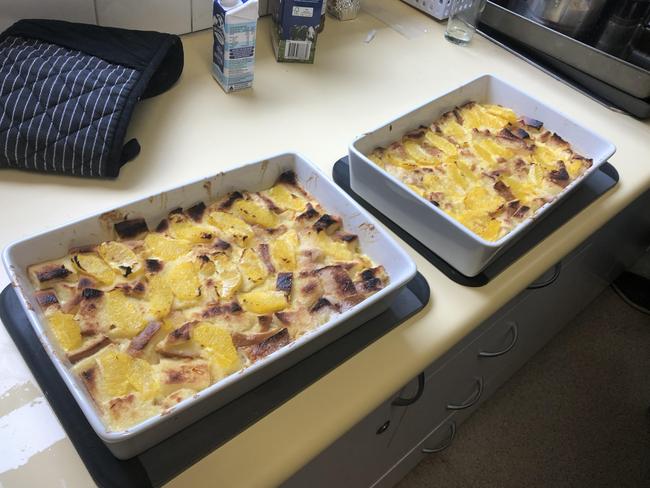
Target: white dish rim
522, 226
83, 398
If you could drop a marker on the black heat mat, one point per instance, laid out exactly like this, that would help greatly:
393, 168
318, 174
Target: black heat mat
162, 462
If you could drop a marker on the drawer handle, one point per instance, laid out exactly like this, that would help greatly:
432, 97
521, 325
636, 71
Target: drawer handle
446, 444
556, 274
472, 401
515, 336
404, 402
383, 427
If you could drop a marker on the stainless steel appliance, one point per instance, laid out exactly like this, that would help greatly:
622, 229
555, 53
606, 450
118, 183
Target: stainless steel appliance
574, 18
624, 19
614, 71
640, 46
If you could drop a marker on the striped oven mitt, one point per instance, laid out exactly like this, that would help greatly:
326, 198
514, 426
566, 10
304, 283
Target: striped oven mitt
67, 93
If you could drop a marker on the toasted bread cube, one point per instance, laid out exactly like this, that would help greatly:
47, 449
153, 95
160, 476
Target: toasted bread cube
90, 347
176, 397
51, 272
176, 374
130, 409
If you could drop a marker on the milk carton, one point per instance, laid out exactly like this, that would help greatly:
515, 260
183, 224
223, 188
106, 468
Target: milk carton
295, 29
233, 55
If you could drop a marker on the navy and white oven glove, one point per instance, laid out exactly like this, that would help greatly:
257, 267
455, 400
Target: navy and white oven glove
67, 93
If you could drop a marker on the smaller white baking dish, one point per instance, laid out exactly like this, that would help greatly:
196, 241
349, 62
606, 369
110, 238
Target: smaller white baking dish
449, 239
374, 241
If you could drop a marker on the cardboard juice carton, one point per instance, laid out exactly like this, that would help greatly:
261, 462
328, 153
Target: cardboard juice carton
233, 54
295, 29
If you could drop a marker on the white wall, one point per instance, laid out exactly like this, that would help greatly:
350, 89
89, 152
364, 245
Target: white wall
73, 10
174, 16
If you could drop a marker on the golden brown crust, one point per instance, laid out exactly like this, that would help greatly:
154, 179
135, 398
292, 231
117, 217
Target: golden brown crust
268, 346
130, 229
139, 342
89, 348
193, 374
89, 379
51, 272
46, 298
216, 287
474, 161
90, 305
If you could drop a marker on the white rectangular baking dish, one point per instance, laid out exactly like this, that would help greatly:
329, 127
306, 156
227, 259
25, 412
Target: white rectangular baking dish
446, 237
374, 241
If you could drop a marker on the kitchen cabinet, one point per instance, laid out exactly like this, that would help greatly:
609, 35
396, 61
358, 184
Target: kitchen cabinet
435, 442
360, 456
453, 386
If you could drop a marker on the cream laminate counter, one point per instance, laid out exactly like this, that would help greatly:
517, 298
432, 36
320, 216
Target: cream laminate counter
196, 129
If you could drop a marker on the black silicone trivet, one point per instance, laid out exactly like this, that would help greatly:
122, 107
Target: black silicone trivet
174, 455
597, 184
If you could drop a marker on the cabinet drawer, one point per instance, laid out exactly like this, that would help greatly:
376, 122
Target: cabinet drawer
544, 312
457, 386
501, 346
360, 456
434, 443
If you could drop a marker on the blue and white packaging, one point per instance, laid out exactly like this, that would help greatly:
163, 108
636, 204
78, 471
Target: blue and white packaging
233, 54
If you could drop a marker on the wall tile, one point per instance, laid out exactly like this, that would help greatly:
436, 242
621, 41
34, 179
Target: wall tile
201, 14
173, 16
72, 10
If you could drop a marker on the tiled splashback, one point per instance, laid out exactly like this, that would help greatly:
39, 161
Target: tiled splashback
175, 16
73, 10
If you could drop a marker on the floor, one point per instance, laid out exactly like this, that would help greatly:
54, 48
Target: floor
577, 415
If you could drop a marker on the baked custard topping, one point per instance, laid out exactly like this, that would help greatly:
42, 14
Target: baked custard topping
484, 165
153, 317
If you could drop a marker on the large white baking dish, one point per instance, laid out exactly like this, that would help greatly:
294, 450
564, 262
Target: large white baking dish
374, 241
446, 237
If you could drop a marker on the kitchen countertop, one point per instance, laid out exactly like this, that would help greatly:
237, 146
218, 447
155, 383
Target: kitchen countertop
196, 130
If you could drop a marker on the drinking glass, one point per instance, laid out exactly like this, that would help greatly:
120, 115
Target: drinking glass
463, 15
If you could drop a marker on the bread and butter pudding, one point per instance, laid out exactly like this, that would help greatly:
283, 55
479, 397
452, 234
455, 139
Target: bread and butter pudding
155, 316
484, 165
